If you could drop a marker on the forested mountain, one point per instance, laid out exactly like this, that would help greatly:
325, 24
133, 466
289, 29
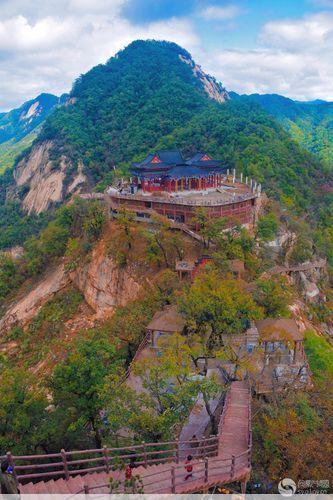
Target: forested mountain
149, 95
20, 121
19, 127
309, 123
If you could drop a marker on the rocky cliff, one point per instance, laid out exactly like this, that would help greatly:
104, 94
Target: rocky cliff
213, 88
103, 284
44, 184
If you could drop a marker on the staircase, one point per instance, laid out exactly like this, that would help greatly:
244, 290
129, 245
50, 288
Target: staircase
223, 459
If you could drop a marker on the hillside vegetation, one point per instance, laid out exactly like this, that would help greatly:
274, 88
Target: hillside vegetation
309, 123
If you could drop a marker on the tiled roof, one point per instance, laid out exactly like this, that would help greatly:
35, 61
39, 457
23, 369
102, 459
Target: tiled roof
167, 320
278, 329
163, 161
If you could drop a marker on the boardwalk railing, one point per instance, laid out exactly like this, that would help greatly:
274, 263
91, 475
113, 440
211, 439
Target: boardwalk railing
172, 479
210, 463
69, 463
142, 345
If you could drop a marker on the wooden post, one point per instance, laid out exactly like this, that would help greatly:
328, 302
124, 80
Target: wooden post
177, 451
106, 459
86, 489
243, 486
144, 449
232, 471
173, 479
206, 470
12, 464
64, 462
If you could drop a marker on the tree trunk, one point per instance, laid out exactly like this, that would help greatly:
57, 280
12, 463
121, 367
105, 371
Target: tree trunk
210, 414
97, 434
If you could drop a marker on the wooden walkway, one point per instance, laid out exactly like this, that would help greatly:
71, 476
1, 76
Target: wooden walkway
231, 461
305, 266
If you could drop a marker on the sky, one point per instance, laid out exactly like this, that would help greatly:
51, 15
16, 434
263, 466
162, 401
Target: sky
264, 46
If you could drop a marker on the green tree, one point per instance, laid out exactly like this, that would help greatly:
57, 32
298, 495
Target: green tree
94, 220
76, 383
170, 385
10, 276
223, 305
274, 295
267, 226
164, 245
208, 227
22, 411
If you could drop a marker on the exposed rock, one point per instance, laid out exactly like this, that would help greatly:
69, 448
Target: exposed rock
27, 307
31, 111
311, 291
15, 252
104, 284
283, 239
79, 179
45, 184
213, 88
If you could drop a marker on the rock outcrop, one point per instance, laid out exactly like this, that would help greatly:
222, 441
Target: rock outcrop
104, 284
44, 183
212, 87
27, 307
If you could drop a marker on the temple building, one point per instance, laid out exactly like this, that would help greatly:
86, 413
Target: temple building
169, 171
168, 184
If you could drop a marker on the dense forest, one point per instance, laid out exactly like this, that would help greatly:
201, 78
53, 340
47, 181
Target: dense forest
309, 123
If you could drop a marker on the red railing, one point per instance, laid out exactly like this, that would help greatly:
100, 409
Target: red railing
172, 479
70, 463
205, 451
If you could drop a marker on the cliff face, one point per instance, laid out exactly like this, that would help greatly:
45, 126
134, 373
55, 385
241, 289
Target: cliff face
103, 284
26, 308
43, 183
212, 87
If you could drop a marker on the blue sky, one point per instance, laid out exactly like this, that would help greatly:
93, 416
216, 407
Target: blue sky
282, 46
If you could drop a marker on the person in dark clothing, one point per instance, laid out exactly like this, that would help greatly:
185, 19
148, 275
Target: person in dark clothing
188, 467
7, 482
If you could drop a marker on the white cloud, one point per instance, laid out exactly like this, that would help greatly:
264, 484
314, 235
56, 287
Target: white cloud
50, 43
216, 13
47, 54
294, 58
311, 33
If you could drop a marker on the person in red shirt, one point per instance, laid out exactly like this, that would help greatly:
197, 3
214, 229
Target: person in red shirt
189, 467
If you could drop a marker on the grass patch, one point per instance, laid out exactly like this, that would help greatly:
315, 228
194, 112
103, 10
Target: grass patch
320, 355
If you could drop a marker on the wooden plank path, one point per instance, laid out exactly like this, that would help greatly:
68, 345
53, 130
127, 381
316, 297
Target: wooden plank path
305, 266
231, 461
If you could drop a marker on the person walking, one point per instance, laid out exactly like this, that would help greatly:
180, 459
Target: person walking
7, 482
188, 467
